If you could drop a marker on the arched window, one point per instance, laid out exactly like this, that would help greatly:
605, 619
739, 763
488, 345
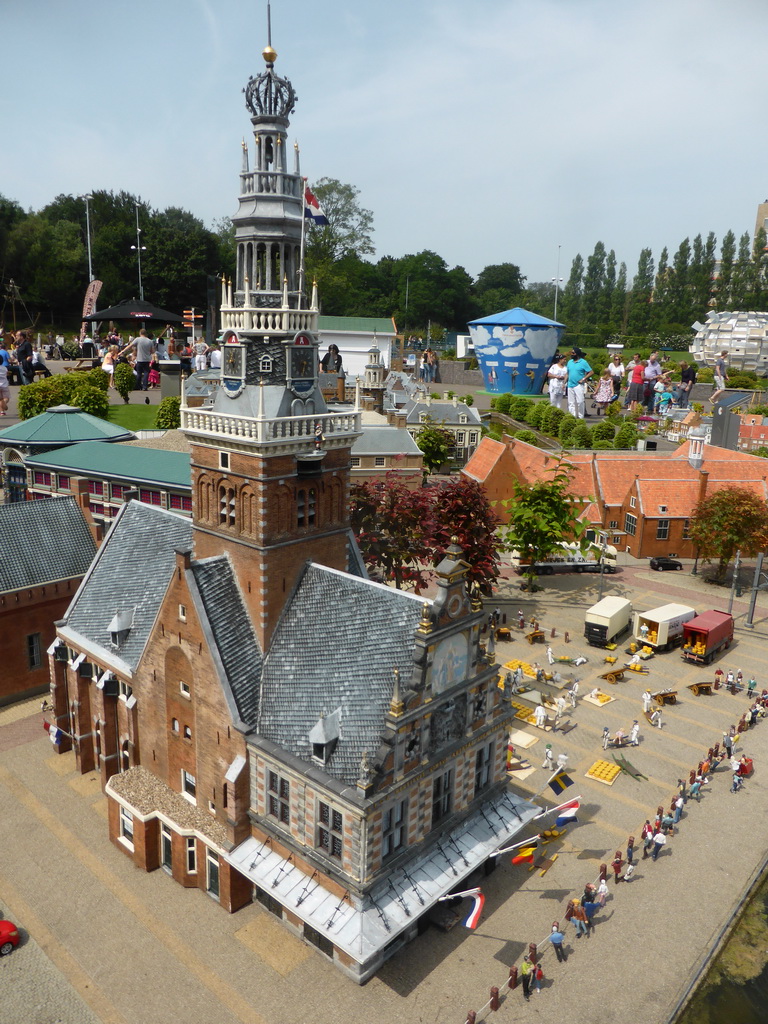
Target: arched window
226, 505
311, 506
301, 508
265, 364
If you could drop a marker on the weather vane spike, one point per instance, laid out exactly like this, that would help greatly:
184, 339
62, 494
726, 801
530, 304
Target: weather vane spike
269, 24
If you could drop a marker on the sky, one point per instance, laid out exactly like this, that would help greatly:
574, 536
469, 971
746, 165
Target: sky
519, 131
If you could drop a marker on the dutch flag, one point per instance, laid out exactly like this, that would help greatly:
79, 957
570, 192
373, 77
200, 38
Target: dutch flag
567, 813
312, 208
473, 918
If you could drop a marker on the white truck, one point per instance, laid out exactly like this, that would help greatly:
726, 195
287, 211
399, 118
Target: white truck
569, 558
607, 620
662, 628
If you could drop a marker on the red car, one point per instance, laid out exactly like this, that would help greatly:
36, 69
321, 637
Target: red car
9, 937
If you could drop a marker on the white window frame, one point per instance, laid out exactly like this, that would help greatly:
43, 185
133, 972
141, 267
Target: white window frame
632, 501
182, 613
189, 782
212, 859
126, 828
191, 855
166, 836
185, 689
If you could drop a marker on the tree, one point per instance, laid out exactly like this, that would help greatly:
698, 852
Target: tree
725, 270
436, 444
730, 519
389, 521
642, 293
461, 509
349, 226
541, 516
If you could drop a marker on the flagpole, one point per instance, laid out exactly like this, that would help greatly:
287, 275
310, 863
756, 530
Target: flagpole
551, 810
301, 250
517, 846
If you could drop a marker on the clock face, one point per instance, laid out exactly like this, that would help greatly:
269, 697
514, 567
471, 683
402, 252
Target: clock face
302, 365
233, 361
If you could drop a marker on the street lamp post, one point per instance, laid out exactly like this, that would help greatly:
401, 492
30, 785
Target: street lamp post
87, 199
557, 279
139, 248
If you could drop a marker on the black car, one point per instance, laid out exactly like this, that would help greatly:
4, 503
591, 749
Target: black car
662, 563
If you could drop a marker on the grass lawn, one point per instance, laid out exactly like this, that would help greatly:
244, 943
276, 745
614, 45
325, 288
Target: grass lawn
133, 417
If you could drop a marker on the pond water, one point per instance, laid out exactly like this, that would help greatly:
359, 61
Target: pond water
735, 990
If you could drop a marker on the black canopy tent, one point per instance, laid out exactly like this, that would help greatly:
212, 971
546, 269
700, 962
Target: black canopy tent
135, 310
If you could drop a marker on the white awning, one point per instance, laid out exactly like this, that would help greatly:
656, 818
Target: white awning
363, 927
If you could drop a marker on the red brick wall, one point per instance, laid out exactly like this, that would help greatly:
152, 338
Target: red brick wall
23, 613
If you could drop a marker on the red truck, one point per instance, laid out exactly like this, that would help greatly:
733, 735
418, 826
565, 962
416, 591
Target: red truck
706, 635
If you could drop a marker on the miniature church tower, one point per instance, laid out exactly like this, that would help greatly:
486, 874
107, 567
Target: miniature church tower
270, 462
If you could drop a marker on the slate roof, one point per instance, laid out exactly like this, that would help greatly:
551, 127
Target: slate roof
131, 571
381, 440
120, 462
444, 413
43, 541
60, 425
234, 643
336, 645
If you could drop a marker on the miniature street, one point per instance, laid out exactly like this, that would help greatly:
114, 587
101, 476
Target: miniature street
104, 927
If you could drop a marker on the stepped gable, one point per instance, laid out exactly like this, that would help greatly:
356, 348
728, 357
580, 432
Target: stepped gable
43, 541
229, 633
336, 646
129, 575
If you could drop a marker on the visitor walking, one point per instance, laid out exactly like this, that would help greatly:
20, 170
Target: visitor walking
573, 694
579, 372
659, 842
617, 864
557, 938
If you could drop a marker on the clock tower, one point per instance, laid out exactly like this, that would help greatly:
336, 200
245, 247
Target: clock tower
270, 460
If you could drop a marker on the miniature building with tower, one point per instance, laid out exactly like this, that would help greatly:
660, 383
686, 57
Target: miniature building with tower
267, 722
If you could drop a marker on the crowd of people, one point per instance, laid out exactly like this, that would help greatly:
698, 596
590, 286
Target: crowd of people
647, 383
23, 357
582, 910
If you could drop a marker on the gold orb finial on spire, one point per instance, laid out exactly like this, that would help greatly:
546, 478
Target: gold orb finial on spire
269, 55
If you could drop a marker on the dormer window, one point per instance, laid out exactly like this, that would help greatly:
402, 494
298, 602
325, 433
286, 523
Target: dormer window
120, 627
265, 364
324, 736
463, 418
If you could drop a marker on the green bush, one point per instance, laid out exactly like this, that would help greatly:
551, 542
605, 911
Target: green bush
468, 400
567, 425
746, 381
581, 436
534, 413
518, 407
125, 380
98, 378
502, 403
626, 437
71, 350
91, 400
169, 413
526, 435
602, 446
706, 375
551, 419
603, 431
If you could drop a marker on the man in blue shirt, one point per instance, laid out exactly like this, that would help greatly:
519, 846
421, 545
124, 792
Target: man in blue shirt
579, 371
